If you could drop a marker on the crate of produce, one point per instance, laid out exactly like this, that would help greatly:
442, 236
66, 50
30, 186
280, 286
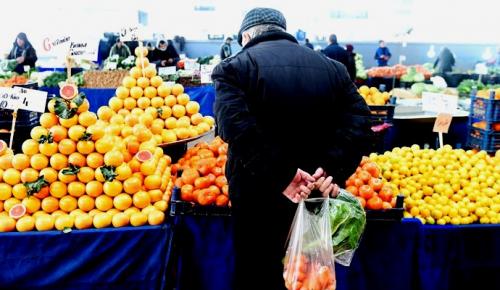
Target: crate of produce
487, 140
180, 207
485, 105
382, 114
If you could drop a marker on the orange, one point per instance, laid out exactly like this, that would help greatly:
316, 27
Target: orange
183, 99
85, 147
58, 133
7, 224
39, 213
6, 161
58, 213
68, 123
192, 107
29, 175
171, 123
66, 146
168, 136
138, 219
148, 209
163, 90
25, 224
178, 111
104, 145
93, 212
112, 188
76, 132
48, 120
132, 185
49, 174
58, 189
150, 92
155, 195
66, 178
83, 221
136, 92
135, 165
113, 130
38, 132
196, 118
126, 131
209, 120
142, 133
30, 147
156, 217
170, 100
129, 211
161, 205
123, 172
129, 103
51, 106
131, 120
164, 112
204, 127
153, 112
113, 211
141, 51
76, 188
156, 81
44, 223
20, 161
68, 203
141, 199
63, 222
157, 126
177, 89
143, 102
183, 122
152, 182
86, 203
48, 149
93, 188
122, 92
105, 113
77, 159
120, 220
135, 72
58, 161
84, 107
19, 191
115, 104
148, 167
102, 220
85, 175
182, 133
9, 203
128, 82
122, 201
87, 119
143, 82
11, 176
50, 204
95, 160
117, 119
96, 131
150, 71
103, 202
98, 175
142, 62
137, 112
113, 158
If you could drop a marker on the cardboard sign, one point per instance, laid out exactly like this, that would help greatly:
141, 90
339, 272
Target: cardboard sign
166, 71
130, 33
56, 45
9, 99
84, 49
206, 73
443, 122
439, 103
31, 100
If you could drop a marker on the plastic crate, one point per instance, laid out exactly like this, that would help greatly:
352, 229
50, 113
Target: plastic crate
392, 214
486, 140
382, 114
485, 109
180, 207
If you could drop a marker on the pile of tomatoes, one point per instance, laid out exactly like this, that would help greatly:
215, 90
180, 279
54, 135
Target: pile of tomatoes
201, 171
301, 273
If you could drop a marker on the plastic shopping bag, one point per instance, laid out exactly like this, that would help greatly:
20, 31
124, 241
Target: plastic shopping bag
309, 263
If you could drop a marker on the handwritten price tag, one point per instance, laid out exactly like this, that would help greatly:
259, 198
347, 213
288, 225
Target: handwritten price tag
31, 100
9, 99
166, 71
443, 122
130, 33
439, 103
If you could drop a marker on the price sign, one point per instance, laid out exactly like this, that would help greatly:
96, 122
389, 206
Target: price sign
84, 49
9, 99
443, 122
166, 71
56, 45
31, 100
206, 73
191, 65
439, 103
130, 33
481, 69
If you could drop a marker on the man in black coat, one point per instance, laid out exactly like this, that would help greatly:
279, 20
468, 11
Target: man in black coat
165, 54
285, 111
336, 52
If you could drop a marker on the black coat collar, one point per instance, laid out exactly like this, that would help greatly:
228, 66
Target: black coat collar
268, 36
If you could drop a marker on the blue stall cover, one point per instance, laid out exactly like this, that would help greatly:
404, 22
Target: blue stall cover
121, 258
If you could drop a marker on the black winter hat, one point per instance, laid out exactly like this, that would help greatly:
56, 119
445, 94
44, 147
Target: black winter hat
259, 16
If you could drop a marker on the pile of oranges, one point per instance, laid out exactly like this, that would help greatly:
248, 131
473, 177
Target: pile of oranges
144, 103
77, 171
202, 180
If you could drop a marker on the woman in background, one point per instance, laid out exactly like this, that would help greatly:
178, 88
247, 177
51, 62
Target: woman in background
23, 52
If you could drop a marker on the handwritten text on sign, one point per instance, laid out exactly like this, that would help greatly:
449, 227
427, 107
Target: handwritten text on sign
206, 73
9, 99
129, 33
443, 122
51, 43
166, 71
439, 103
31, 100
83, 50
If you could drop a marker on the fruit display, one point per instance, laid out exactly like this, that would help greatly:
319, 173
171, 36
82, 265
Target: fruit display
373, 96
149, 107
13, 80
411, 73
202, 180
77, 171
444, 186
370, 188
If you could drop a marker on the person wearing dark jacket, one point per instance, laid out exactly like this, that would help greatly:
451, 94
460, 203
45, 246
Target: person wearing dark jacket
225, 50
308, 44
294, 121
23, 52
351, 61
382, 54
165, 54
445, 61
120, 49
335, 51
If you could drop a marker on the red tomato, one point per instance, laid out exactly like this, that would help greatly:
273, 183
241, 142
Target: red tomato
376, 183
366, 192
386, 193
362, 201
352, 189
375, 203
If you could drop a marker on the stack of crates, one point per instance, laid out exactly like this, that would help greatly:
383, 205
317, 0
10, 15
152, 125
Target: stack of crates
484, 122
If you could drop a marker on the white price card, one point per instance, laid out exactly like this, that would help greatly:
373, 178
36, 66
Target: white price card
166, 71
9, 99
439, 103
206, 73
130, 33
31, 100
84, 49
191, 65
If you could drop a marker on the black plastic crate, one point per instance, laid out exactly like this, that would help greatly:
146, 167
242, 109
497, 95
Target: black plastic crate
485, 109
392, 214
486, 140
180, 207
382, 114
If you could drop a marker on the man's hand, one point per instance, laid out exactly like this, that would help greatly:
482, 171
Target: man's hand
163, 63
325, 183
20, 59
170, 60
300, 187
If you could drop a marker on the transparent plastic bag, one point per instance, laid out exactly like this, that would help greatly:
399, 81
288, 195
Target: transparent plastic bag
309, 262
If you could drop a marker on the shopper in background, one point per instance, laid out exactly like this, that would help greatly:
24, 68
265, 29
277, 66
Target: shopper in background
225, 50
284, 110
23, 52
165, 54
383, 54
120, 49
445, 61
308, 44
335, 51
351, 61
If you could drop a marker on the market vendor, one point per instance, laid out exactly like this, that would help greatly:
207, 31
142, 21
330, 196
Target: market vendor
165, 54
445, 61
382, 54
120, 49
23, 52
